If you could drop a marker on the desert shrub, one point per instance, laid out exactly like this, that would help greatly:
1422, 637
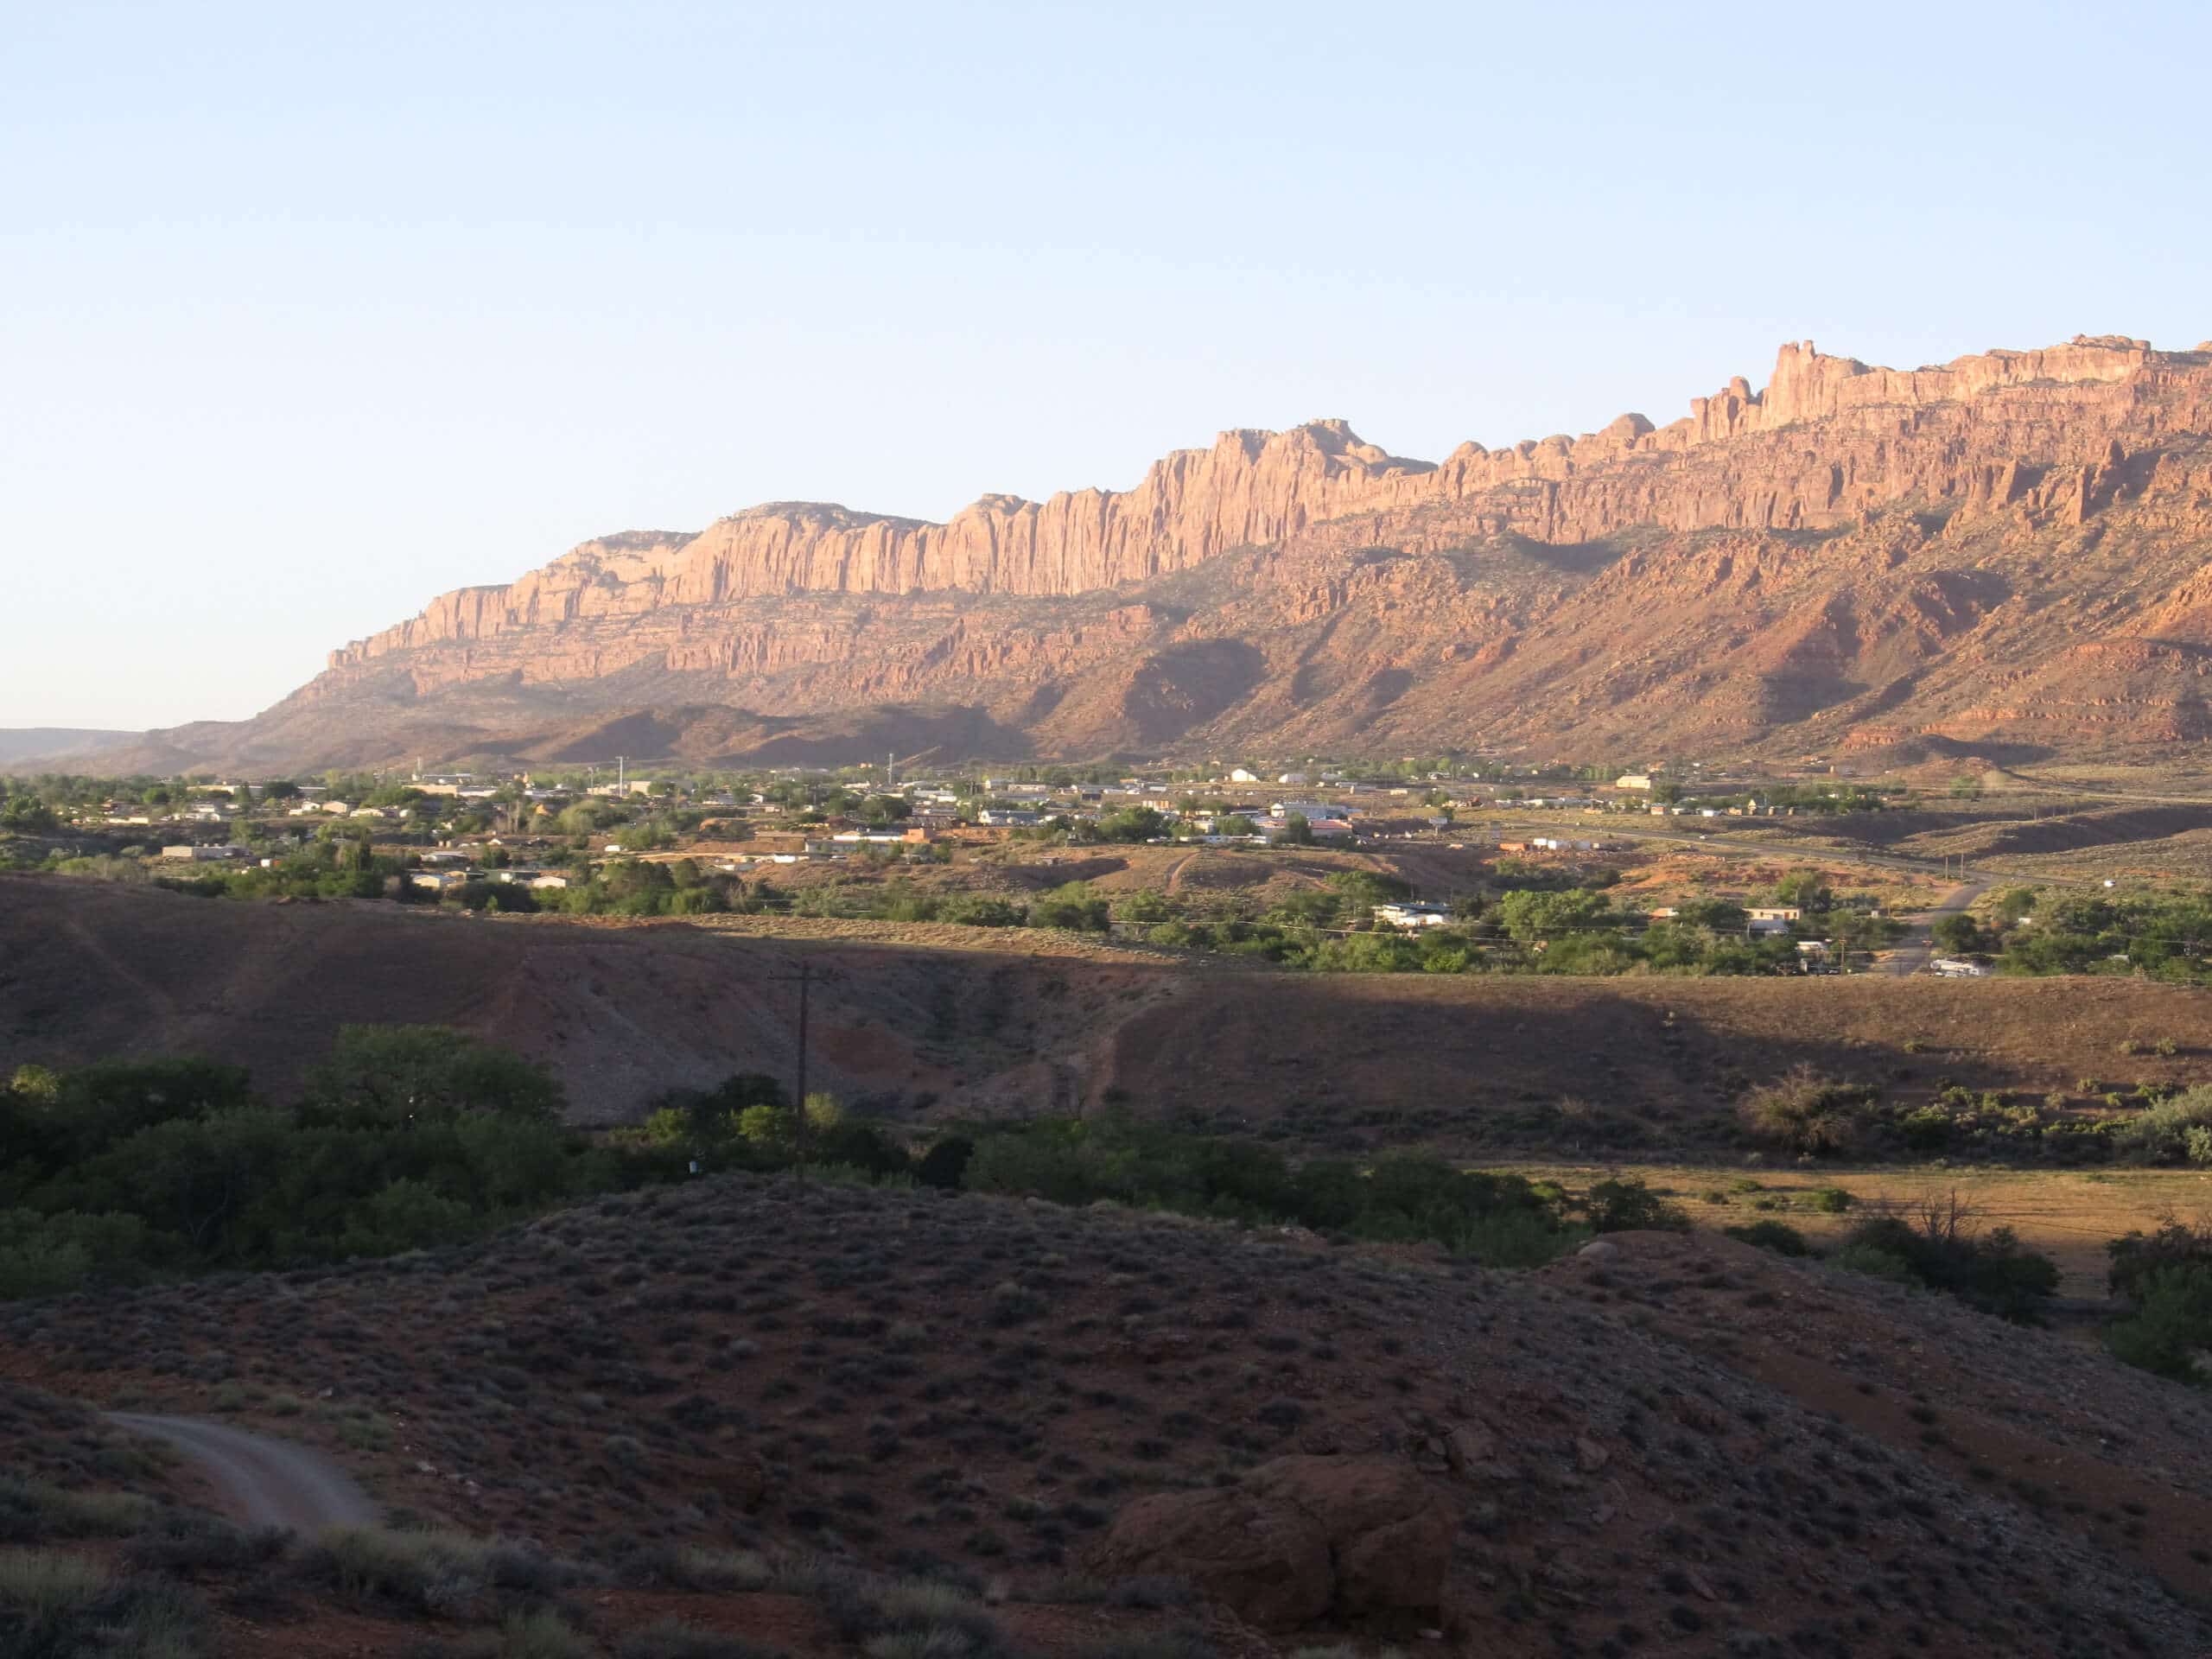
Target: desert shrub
626, 1453
671, 1638
1625, 1204
405, 1215
1806, 1114
428, 1571
1073, 906
1011, 1304
1180, 1641
1829, 1201
47, 1254
2175, 1131
911, 1618
1513, 1238
2136, 1255
1777, 1235
1941, 1250
945, 1163
187, 1541
2170, 1330
981, 910
1873, 1261
46, 1585
57, 1606
32, 1511
542, 1635
1152, 1592
690, 1567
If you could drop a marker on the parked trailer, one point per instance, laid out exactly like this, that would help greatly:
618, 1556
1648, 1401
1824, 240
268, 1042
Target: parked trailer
1958, 968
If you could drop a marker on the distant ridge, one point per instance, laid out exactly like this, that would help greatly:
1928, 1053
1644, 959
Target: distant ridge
21, 743
2005, 552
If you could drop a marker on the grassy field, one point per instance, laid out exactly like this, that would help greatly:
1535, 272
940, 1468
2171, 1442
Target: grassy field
2068, 1214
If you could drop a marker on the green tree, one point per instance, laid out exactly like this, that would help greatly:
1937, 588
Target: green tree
28, 814
1073, 906
647, 837
78, 1114
1532, 918
1146, 906
194, 1179
1958, 935
1809, 890
1133, 824
2170, 1330
383, 1076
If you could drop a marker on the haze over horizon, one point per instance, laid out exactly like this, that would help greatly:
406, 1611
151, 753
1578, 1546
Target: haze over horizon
308, 318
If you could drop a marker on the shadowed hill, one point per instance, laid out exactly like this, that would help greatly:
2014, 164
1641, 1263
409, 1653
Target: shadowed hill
947, 1021
990, 1386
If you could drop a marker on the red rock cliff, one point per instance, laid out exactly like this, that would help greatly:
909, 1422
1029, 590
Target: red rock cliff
1828, 438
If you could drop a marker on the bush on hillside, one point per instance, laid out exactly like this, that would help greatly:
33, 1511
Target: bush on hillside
1777, 1235
1624, 1205
2177, 1131
1407, 1197
2170, 1330
2138, 1255
1806, 1114
1941, 1250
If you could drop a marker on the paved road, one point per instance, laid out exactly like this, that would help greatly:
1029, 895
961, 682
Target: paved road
264, 1482
1914, 952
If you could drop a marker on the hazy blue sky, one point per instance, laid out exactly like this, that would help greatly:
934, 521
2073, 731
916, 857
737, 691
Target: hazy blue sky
308, 313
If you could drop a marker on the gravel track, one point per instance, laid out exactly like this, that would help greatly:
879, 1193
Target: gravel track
264, 1482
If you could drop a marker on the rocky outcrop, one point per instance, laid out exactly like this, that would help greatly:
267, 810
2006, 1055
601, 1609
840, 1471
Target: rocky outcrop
1297, 1541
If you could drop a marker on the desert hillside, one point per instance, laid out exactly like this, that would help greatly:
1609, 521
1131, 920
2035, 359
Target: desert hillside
2002, 554
939, 1021
1666, 1447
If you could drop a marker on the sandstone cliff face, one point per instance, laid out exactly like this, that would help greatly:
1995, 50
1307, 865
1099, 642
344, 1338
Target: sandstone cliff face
2010, 549
1992, 428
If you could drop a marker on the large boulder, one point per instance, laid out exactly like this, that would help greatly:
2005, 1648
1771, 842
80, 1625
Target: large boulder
1298, 1540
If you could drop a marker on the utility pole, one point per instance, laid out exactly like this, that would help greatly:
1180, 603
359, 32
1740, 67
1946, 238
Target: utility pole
621, 776
804, 980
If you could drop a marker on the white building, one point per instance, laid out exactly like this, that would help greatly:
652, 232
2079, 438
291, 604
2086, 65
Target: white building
1413, 916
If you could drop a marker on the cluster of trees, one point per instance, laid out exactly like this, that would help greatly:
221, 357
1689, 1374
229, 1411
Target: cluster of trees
1790, 797
629, 886
26, 815
1806, 1114
2041, 931
402, 1137
1535, 924
1501, 1220
1937, 1246
415, 1137
1072, 905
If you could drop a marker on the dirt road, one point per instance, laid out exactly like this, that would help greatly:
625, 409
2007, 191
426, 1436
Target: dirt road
263, 1482
1914, 950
